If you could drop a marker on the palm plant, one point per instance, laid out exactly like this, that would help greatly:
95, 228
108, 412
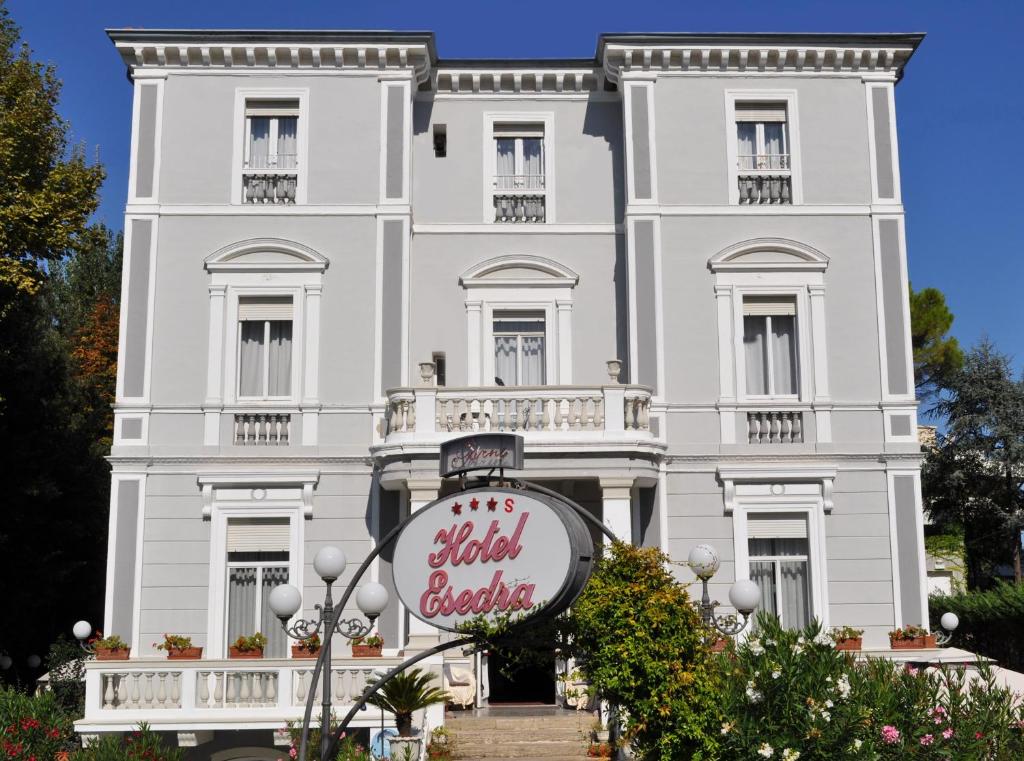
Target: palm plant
406, 693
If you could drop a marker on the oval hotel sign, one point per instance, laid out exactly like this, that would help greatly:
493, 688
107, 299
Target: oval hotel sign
491, 552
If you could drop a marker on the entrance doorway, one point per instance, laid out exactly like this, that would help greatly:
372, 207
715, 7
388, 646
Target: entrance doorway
526, 680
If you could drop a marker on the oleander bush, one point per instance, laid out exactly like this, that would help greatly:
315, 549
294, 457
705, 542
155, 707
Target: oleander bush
33, 726
991, 622
140, 745
790, 695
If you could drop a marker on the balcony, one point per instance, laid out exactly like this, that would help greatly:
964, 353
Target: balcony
519, 198
549, 413
203, 694
269, 187
775, 427
764, 179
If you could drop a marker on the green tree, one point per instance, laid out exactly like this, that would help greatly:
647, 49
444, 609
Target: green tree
937, 355
974, 479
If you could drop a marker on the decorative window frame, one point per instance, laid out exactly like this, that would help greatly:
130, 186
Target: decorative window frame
772, 267
549, 292
263, 267
490, 158
789, 97
243, 94
773, 490
251, 495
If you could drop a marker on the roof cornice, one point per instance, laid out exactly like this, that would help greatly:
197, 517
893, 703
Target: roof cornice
864, 54
267, 49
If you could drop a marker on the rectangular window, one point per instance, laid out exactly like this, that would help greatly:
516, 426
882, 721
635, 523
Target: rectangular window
440, 368
519, 349
770, 346
778, 552
763, 160
519, 179
257, 561
271, 156
265, 347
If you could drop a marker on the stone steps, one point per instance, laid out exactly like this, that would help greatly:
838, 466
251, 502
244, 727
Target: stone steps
530, 737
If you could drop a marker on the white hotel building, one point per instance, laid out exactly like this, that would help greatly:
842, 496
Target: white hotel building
314, 216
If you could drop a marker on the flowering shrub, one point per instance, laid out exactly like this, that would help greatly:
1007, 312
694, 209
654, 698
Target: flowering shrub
33, 727
350, 748
141, 745
251, 643
790, 695
113, 642
174, 642
908, 632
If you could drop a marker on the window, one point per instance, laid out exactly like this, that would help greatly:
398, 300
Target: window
257, 561
778, 555
271, 156
763, 160
519, 179
770, 346
440, 140
440, 368
519, 349
265, 347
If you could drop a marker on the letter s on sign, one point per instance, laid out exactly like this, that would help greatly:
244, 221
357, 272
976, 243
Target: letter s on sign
509, 504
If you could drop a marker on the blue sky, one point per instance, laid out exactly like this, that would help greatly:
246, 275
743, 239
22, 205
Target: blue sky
960, 106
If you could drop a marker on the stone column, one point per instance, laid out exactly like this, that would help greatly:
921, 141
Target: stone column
617, 507
422, 635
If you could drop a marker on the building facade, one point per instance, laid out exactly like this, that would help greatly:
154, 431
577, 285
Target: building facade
677, 268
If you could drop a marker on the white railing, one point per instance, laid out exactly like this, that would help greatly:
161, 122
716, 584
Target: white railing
775, 427
519, 182
764, 188
262, 429
532, 410
758, 161
519, 207
269, 186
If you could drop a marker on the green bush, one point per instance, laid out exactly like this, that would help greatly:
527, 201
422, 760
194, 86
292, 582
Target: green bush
141, 745
33, 726
990, 622
640, 643
789, 695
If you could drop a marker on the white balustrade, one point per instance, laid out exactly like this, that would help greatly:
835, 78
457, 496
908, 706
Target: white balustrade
775, 427
269, 188
262, 429
134, 690
765, 188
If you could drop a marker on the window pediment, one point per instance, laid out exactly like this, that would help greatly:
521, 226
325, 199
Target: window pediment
266, 254
764, 254
519, 270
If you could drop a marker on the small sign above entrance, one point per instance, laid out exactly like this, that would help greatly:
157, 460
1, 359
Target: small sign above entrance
485, 451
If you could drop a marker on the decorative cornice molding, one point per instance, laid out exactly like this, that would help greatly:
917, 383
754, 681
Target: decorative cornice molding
799, 256
519, 81
548, 272
306, 481
294, 257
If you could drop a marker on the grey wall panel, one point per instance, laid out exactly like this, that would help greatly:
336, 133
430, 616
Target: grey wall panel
391, 333
883, 143
646, 286
128, 494
893, 298
387, 624
131, 428
908, 543
145, 157
138, 308
395, 141
641, 143
899, 425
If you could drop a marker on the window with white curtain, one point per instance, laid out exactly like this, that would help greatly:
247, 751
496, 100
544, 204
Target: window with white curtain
265, 347
519, 349
770, 346
271, 134
257, 561
762, 142
779, 564
519, 156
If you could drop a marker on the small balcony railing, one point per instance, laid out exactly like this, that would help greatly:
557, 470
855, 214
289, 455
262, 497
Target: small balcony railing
262, 429
765, 189
266, 186
763, 161
519, 207
547, 411
775, 427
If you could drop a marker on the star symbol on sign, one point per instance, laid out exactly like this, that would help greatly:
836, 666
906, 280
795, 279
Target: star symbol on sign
474, 503
457, 508
492, 504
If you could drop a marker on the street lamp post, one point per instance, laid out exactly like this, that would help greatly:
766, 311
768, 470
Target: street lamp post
744, 594
285, 601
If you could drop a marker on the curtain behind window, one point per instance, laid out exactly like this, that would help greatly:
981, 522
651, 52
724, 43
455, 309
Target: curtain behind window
795, 591
754, 353
747, 144
259, 142
784, 354
506, 166
280, 358
287, 143
251, 359
270, 625
775, 142
505, 360
533, 360
533, 163
762, 573
241, 603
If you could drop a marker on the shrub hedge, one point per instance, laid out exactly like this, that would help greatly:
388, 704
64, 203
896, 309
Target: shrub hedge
990, 622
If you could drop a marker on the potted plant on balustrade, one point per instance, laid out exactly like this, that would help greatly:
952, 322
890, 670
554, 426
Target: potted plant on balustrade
846, 637
248, 647
308, 647
111, 648
179, 647
367, 647
911, 638
408, 692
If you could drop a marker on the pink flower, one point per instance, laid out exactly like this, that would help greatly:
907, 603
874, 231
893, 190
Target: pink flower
927, 740
978, 735
947, 732
293, 753
912, 670
890, 734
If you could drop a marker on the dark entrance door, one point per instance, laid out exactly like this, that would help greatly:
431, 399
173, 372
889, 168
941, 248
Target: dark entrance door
527, 680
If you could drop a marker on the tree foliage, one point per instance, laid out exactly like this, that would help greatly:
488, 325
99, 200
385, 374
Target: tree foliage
974, 479
990, 621
936, 354
640, 643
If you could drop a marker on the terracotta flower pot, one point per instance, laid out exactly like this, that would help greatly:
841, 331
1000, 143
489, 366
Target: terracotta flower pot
850, 643
298, 651
113, 655
234, 652
927, 642
367, 651
719, 644
185, 654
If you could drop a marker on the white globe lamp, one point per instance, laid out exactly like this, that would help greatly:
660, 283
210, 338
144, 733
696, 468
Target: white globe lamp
372, 599
744, 596
949, 621
703, 561
82, 630
329, 563
285, 601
